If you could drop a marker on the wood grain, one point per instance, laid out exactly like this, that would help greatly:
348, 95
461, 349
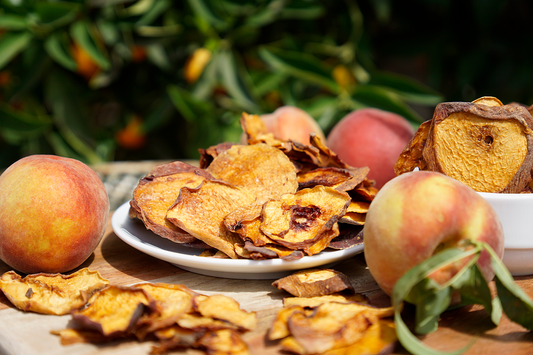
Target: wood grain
27, 333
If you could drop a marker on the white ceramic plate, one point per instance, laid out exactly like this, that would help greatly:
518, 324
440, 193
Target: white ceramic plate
135, 234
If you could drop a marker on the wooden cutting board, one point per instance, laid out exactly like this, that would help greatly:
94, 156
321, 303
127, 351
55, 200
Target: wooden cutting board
23, 333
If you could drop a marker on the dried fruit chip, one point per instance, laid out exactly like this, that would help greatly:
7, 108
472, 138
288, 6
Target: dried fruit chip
51, 293
227, 309
484, 144
115, 310
412, 155
347, 238
200, 323
297, 221
358, 175
326, 157
356, 213
379, 338
279, 328
323, 176
246, 222
365, 191
201, 212
263, 170
173, 301
313, 302
72, 336
156, 192
207, 155
224, 341
175, 337
314, 282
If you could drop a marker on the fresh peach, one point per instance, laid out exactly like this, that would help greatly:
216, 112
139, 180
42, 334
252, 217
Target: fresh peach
290, 122
54, 213
371, 137
420, 213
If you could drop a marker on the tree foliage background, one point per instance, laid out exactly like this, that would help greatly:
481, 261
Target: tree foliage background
105, 80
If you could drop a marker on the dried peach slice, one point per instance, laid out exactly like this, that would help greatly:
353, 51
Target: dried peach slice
225, 341
314, 282
114, 310
227, 309
265, 171
313, 302
51, 293
201, 211
156, 192
299, 220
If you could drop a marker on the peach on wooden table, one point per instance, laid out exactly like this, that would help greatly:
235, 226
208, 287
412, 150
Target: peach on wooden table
54, 213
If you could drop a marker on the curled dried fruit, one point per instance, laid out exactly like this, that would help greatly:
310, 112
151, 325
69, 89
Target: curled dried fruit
313, 302
51, 293
300, 220
227, 309
115, 310
314, 282
201, 212
484, 144
158, 190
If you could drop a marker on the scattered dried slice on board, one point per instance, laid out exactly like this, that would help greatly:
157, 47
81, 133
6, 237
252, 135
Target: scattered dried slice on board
225, 341
201, 211
265, 171
173, 301
484, 144
227, 309
158, 190
115, 310
174, 337
297, 221
71, 336
313, 302
314, 282
199, 323
334, 328
51, 293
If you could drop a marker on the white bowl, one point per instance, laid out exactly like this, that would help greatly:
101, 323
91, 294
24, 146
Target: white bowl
516, 215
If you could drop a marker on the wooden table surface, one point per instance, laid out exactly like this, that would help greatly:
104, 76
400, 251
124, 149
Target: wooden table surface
25, 333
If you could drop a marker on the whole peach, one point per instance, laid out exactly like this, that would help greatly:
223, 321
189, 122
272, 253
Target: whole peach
290, 122
371, 137
54, 213
419, 213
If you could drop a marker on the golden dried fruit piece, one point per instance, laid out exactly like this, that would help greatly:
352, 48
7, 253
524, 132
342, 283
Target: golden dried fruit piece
300, 220
349, 236
201, 212
200, 323
323, 176
115, 310
334, 325
356, 213
246, 222
207, 155
51, 293
227, 309
483, 144
313, 302
263, 170
225, 341
173, 301
175, 337
158, 190
279, 328
314, 282
365, 191
71, 336
412, 156
379, 338
256, 131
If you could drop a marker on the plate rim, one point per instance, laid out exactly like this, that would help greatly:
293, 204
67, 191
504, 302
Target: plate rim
120, 220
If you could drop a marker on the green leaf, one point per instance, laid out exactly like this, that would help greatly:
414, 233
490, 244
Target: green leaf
300, 65
431, 300
58, 13
83, 34
204, 11
159, 7
406, 87
12, 22
189, 107
57, 47
12, 44
516, 304
476, 291
233, 81
379, 97
21, 121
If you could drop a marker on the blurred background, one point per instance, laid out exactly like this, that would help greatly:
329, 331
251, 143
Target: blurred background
116, 80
